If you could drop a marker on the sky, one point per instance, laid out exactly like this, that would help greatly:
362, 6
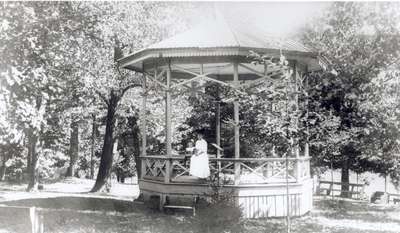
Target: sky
280, 18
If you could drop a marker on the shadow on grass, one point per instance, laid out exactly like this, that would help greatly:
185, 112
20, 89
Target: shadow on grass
101, 215
77, 203
86, 214
345, 209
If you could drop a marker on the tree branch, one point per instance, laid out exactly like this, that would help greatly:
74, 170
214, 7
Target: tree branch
119, 71
103, 97
127, 88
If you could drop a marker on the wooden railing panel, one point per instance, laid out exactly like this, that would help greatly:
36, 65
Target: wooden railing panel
266, 171
253, 170
154, 167
179, 168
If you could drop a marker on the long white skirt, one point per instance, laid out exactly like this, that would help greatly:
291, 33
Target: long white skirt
199, 166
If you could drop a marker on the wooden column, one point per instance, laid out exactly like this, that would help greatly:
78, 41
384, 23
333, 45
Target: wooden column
144, 126
265, 69
194, 83
218, 132
218, 128
306, 146
236, 121
295, 140
168, 136
296, 100
287, 157
201, 71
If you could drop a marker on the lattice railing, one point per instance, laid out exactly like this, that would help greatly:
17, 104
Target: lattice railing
252, 170
154, 166
180, 167
266, 171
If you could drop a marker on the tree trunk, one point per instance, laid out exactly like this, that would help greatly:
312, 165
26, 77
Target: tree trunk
73, 148
345, 178
33, 139
106, 159
32, 172
92, 149
28, 161
3, 168
136, 149
138, 164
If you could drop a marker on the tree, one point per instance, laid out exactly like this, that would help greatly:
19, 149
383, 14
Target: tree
124, 27
10, 146
58, 55
359, 40
35, 55
381, 144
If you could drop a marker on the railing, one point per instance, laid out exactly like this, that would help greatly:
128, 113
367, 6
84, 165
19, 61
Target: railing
251, 170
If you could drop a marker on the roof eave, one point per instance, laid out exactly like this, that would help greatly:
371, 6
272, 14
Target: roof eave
144, 54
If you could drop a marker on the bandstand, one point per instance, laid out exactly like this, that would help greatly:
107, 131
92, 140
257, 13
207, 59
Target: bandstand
218, 52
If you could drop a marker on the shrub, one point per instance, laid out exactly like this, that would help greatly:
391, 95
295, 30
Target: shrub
218, 212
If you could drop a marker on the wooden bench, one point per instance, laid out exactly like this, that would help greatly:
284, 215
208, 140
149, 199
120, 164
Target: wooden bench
327, 188
395, 198
181, 207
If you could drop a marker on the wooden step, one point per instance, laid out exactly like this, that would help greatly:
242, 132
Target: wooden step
182, 207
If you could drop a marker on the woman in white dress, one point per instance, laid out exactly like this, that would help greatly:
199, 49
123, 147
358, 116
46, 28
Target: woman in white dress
199, 161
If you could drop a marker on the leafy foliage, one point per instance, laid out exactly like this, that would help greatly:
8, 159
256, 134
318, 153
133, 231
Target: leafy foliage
59, 67
360, 41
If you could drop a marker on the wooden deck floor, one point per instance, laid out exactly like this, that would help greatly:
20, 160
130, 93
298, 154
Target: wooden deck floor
181, 179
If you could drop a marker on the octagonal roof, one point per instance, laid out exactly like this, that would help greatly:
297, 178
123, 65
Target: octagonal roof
218, 37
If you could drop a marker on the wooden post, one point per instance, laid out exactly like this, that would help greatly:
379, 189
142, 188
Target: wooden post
269, 168
218, 133
296, 140
357, 188
218, 130
32, 215
306, 149
386, 182
36, 218
201, 69
287, 159
163, 200
194, 83
168, 125
236, 119
143, 168
144, 127
265, 69
296, 100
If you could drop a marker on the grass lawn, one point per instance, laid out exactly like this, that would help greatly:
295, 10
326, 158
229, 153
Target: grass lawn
338, 216
83, 212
